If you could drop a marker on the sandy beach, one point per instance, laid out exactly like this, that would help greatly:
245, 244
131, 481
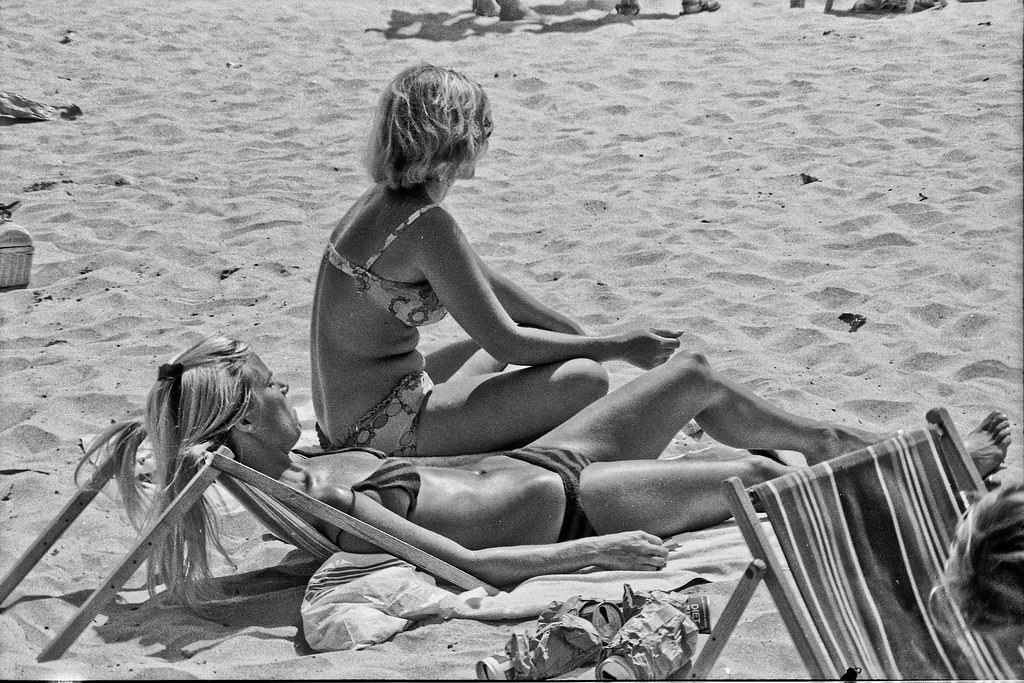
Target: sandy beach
745, 176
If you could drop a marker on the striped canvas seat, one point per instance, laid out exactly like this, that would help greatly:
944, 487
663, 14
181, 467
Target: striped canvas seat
864, 538
280, 520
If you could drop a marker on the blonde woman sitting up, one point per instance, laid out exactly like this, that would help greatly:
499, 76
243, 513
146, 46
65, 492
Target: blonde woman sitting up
397, 261
588, 493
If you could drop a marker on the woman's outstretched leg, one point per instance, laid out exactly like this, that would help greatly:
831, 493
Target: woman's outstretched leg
638, 420
667, 497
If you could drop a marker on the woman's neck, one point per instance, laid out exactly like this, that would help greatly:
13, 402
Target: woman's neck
257, 456
438, 190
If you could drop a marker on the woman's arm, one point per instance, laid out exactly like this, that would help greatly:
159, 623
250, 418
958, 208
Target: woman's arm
632, 550
455, 273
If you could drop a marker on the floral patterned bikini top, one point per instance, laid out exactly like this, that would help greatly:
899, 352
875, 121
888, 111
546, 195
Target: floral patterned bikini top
413, 303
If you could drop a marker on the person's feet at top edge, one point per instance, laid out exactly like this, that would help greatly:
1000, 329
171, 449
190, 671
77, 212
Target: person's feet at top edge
988, 443
628, 8
695, 6
514, 10
485, 8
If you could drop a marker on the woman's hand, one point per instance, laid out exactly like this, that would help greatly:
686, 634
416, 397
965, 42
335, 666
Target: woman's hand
630, 550
648, 349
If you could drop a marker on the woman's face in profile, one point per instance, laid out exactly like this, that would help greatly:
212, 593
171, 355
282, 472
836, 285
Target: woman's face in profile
272, 411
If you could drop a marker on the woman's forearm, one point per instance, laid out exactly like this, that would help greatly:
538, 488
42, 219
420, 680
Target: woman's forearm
628, 550
512, 564
538, 346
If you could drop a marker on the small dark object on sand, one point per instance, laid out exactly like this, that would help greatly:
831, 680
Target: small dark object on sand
854, 320
5, 210
808, 179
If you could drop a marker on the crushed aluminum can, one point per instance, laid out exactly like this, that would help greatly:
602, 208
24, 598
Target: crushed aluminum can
562, 642
605, 616
495, 668
695, 606
657, 640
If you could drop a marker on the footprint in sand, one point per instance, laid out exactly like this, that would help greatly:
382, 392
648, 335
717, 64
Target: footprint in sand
31, 438
988, 368
926, 361
935, 314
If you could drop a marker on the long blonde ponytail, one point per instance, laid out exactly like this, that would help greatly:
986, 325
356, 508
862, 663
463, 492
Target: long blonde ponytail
199, 396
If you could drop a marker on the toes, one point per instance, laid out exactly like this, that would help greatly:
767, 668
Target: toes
994, 424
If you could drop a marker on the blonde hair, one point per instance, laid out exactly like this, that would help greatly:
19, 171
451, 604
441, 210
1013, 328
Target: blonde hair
984, 576
199, 396
428, 123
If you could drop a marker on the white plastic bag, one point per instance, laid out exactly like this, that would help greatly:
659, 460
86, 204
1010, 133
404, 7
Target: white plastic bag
354, 601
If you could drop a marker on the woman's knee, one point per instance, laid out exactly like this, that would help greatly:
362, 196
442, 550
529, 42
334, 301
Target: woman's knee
693, 368
694, 358
582, 380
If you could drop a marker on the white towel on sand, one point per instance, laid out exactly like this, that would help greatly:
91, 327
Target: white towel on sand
354, 601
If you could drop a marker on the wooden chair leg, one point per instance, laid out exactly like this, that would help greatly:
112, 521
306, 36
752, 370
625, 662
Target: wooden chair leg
783, 592
955, 453
734, 609
188, 497
57, 527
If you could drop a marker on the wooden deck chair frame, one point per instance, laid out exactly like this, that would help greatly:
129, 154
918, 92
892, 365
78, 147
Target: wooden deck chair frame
218, 463
770, 567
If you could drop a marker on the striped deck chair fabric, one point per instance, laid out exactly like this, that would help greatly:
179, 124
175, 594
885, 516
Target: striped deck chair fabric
865, 538
291, 528
280, 520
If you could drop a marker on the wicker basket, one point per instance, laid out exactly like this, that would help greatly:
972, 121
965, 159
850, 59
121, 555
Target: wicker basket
15, 256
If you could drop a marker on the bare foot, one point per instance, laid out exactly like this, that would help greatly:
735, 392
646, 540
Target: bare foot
485, 8
987, 444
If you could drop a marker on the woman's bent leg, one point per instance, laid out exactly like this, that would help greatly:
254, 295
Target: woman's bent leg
475, 414
666, 497
463, 358
638, 420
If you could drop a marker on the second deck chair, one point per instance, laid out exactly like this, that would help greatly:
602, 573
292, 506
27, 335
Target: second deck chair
272, 502
864, 538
